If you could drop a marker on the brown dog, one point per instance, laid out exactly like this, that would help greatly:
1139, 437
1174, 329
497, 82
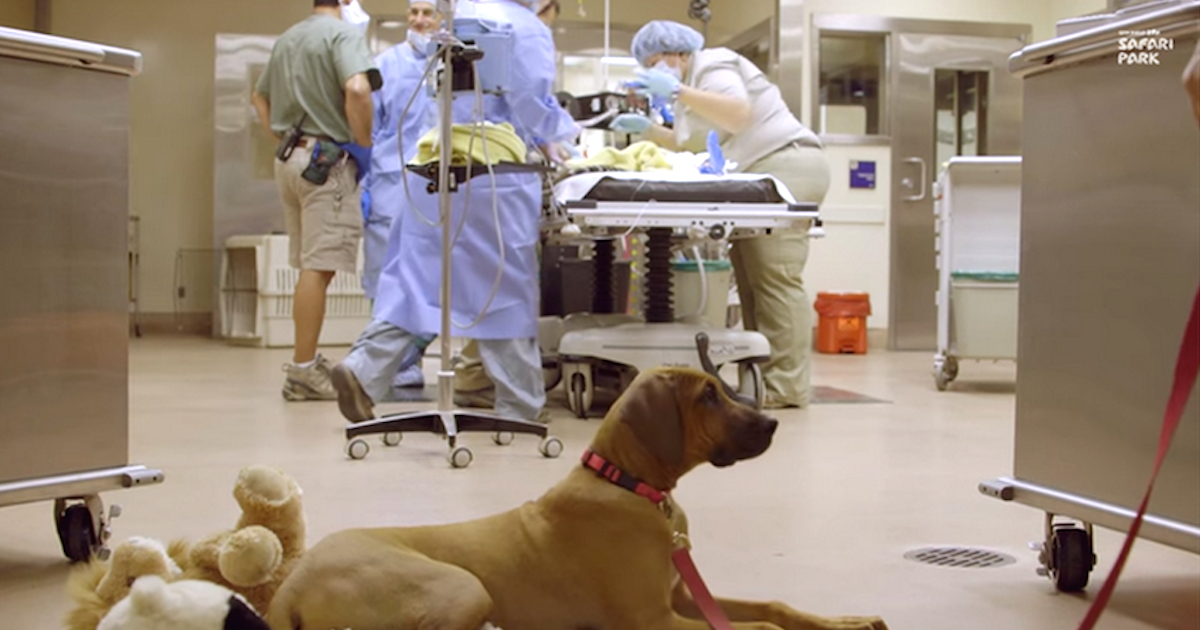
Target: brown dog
588, 555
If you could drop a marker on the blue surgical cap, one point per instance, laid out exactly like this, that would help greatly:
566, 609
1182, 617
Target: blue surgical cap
662, 36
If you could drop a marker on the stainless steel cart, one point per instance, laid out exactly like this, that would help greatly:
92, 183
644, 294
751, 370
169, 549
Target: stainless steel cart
64, 318
1110, 261
978, 205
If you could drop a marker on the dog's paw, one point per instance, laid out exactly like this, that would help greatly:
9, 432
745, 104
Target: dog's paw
858, 623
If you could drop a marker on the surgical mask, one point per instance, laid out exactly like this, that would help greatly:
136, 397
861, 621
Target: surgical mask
671, 70
419, 41
354, 15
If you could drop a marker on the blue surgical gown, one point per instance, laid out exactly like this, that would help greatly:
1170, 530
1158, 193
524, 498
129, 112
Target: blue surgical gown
394, 138
409, 291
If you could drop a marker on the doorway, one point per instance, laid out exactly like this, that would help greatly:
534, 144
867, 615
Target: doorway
931, 90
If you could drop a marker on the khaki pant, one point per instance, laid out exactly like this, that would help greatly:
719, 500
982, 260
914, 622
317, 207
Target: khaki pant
469, 375
769, 272
324, 223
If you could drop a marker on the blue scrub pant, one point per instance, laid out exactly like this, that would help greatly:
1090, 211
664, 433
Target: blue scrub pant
514, 365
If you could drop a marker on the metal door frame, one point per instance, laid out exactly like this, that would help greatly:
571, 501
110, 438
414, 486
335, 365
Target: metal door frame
888, 26
892, 111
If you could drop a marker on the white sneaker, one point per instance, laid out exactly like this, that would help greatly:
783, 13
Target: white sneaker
310, 383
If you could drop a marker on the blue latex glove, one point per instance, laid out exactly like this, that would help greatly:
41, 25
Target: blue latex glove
630, 123
715, 165
663, 107
366, 204
658, 83
361, 156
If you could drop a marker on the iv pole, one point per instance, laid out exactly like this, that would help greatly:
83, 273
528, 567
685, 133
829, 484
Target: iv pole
446, 420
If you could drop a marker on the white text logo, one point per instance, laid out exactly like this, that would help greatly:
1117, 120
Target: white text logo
1141, 48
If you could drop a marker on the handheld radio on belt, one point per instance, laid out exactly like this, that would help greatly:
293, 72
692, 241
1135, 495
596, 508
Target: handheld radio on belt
284, 151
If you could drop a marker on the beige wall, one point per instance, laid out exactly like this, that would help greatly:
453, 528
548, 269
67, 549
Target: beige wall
17, 14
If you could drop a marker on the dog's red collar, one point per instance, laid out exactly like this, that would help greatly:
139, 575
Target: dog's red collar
607, 470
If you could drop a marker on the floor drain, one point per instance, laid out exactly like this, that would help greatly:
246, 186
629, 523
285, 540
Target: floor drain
960, 557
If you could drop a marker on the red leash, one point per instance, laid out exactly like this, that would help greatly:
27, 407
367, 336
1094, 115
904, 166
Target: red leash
682, 556
704, 600
1186, 370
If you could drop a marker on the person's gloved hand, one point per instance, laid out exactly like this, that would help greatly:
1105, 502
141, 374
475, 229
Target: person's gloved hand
658, 83
630, 123
560, 153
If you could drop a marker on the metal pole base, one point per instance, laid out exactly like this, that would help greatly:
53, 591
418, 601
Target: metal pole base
449, 424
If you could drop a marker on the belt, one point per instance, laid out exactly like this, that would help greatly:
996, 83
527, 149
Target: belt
307, 141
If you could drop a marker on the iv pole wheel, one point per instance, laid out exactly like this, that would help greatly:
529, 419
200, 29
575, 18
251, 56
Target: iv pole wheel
392, 439
551, 447
503, 438
461, 457
357, 449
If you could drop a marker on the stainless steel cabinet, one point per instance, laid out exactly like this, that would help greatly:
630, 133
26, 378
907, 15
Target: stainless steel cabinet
1110, 262
64, 317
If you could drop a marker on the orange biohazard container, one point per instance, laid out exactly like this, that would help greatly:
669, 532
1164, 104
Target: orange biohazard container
842, 322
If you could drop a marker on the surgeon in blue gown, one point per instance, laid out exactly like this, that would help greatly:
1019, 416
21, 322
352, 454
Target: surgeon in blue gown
404, 110
502, 208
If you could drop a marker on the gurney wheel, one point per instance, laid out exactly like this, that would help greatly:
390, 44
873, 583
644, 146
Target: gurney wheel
503, 438
76, 533
392, 439
578, 397
461, 457
551, 447
358, 448
750, 383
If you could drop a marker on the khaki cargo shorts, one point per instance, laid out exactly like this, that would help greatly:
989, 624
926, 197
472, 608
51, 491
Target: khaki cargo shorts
324, 223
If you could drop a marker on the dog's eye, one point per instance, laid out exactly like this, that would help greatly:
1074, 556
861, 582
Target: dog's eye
710, 395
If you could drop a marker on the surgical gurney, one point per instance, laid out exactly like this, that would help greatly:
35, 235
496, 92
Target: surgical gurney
609, 351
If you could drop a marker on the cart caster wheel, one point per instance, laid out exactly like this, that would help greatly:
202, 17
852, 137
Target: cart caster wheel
358, 449
503, 438
551, 447
952, 367
392, 439
945, 370
76, 533
461, 457
1071, 558
750, 383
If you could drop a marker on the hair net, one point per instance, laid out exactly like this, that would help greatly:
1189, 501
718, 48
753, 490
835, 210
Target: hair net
662, 36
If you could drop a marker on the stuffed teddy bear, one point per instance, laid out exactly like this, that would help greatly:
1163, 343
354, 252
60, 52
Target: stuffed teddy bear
97, 586
254, 558
154, 604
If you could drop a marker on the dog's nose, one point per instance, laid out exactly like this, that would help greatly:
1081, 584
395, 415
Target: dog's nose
770, 425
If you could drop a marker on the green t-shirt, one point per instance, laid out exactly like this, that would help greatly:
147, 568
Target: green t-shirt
307, 72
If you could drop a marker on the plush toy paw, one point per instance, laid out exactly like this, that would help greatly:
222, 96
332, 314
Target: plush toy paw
270, 498
250, 556
154, 604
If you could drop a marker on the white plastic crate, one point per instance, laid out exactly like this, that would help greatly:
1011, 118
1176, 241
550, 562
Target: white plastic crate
256, 299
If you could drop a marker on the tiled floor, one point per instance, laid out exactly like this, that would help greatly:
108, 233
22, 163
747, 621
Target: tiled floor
822, 520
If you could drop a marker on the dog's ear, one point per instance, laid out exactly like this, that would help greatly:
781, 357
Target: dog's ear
651, 408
